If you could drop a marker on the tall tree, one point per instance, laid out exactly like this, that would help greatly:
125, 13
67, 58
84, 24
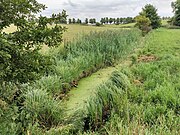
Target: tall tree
103, 21
73, 20
150, 12
86, 21
121, 20
94, 20
20, 59
110, 20
176, 10
70, 21
107, 20
114, 20
117, 21
91, 21
79, 21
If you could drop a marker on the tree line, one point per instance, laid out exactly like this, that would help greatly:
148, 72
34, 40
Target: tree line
105, 20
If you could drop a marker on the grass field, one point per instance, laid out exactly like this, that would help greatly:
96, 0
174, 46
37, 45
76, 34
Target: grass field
73, 30
141, 97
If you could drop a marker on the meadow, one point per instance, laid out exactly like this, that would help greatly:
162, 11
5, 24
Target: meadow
104, 80
141, 97
75, 30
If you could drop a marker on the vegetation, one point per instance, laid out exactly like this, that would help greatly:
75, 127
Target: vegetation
143, 24
40, 100
127, 94
20, 59
117, 21
149, 11
176, 10
142, 98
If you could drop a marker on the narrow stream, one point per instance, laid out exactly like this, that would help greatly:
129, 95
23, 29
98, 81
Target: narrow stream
86, 88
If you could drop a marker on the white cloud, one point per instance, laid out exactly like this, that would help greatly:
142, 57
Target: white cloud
102, 8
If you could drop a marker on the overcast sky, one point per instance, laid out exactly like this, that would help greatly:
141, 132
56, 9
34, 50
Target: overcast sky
102, 8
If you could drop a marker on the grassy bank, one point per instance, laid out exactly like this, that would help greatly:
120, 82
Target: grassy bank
143, 98
36, 107
81, 58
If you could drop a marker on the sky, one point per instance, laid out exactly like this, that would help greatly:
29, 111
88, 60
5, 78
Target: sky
104, 8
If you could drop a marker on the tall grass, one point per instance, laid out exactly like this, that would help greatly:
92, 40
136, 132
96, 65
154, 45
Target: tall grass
151, 106
76, 60
124, 108
41, 108
89, 53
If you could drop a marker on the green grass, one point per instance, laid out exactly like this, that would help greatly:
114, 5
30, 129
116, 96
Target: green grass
36, 107
150, 106
130, 25
90, 53
73, 30
142, 98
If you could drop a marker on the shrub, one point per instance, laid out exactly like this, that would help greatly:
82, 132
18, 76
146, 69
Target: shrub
143, 24
98, 24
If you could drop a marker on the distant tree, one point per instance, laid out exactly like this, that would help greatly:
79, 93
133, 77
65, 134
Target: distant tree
94, 20
73, 20
143, 23
111, 20
78, 21
176, 10
121, 20
103, 21
86, 21
129, 20
53, 16
150, 12
117, 21
114, 20
107, 20
70, 21
91, 21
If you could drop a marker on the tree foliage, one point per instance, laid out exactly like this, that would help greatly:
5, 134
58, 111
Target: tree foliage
150, 12
20, 59
143, 23
176, 10
86, 21
92, 20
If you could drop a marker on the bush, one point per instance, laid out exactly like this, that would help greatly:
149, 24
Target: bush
98, 24
143, 24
